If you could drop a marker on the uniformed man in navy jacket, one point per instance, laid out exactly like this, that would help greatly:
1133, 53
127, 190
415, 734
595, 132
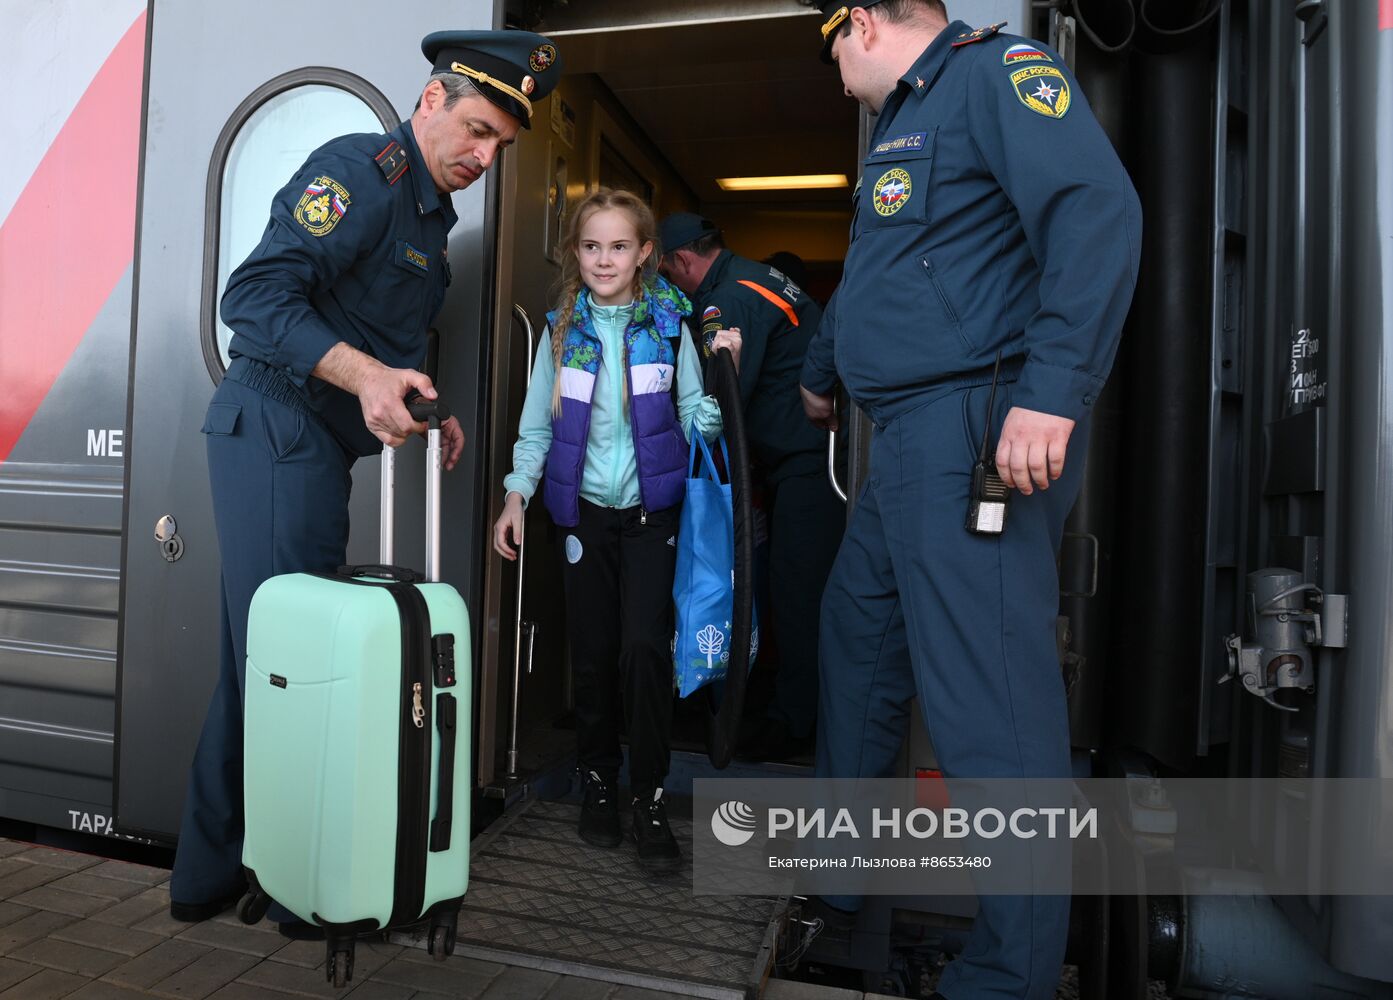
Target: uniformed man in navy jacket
993, 217
329, 316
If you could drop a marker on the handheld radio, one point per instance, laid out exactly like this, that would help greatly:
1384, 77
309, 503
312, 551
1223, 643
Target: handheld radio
989, 497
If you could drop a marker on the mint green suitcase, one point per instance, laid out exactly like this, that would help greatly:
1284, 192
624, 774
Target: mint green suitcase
357, 735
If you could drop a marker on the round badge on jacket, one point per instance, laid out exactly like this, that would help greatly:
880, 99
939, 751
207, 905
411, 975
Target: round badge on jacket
891, 192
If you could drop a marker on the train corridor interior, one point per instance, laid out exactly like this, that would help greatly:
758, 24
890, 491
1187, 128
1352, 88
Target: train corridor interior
734, 118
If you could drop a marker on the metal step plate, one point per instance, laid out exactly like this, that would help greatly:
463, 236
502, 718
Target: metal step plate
540, 897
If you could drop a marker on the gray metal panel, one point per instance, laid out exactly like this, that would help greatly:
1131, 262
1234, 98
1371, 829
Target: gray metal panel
1219, 603
1361, 100
67, 570
170, 630
60, 556
1319, 121
60, 496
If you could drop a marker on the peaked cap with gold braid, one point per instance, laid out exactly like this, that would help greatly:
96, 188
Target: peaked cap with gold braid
834, 15
512, 69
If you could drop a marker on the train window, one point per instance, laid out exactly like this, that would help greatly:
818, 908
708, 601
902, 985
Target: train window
262, 146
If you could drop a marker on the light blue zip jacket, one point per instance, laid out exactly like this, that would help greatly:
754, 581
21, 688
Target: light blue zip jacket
610, 478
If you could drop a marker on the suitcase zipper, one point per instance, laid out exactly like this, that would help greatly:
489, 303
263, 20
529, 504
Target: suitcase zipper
413, 757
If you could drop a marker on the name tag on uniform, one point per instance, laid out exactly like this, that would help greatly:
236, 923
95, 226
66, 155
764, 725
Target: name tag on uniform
912, 142
412, 257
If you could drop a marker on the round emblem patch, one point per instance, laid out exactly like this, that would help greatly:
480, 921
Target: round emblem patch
528, 85
573, 549
541, 57
891, 193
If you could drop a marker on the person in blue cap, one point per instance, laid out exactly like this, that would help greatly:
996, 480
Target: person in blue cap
329, 317
993, 218
776, 319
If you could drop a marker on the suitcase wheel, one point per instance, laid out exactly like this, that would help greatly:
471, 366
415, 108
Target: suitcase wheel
442, 941
340, 969
252, 907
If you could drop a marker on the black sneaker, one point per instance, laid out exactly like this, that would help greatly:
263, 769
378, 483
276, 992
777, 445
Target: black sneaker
599, 812
657, 847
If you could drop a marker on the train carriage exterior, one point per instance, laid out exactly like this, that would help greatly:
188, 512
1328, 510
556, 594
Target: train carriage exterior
1245, 427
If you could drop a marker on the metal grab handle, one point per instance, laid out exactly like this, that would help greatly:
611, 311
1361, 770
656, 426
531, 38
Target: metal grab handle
520, 314
832, 466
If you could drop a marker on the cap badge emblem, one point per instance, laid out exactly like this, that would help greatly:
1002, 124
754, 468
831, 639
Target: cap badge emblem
541, 57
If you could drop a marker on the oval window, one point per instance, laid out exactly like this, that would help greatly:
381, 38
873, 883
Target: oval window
266, 152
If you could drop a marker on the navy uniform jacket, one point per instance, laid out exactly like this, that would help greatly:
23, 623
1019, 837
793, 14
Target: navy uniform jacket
992, 214
777, 320
354, 252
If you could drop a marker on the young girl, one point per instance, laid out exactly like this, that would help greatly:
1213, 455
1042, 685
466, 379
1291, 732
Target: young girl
601, 430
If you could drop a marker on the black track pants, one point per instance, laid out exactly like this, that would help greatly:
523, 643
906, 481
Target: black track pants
617, 571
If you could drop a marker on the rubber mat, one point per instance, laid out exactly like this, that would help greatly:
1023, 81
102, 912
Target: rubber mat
541, 897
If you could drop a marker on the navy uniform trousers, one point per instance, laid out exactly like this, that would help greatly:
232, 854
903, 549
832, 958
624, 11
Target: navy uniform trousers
280, 484
805, 527
916, 605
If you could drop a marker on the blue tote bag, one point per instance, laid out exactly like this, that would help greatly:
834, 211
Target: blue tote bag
704, 585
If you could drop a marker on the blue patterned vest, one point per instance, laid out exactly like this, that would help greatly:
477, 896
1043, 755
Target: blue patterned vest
650, 363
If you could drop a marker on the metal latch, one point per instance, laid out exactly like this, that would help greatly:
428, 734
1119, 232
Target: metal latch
1286, 618
167, 534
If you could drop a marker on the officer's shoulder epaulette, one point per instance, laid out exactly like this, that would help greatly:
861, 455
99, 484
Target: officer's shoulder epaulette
968, 37
392, 161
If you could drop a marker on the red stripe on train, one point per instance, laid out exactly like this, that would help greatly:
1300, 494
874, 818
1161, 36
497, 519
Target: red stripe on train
1385, 14
70, 236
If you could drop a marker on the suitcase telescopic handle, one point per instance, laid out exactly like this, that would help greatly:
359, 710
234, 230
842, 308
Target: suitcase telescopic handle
434, 412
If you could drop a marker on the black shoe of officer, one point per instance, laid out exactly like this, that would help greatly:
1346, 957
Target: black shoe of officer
657, 847
599, 811
193, 913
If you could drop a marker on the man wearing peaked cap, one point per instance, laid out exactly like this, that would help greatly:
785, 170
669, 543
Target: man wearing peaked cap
834, 14
329, 315
511, 68
994, 221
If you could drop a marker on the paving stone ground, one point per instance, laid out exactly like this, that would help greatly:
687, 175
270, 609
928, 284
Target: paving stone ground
74, 925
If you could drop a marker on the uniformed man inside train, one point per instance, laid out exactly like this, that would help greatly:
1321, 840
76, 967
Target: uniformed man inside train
993, 216
329, 316
776, 319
